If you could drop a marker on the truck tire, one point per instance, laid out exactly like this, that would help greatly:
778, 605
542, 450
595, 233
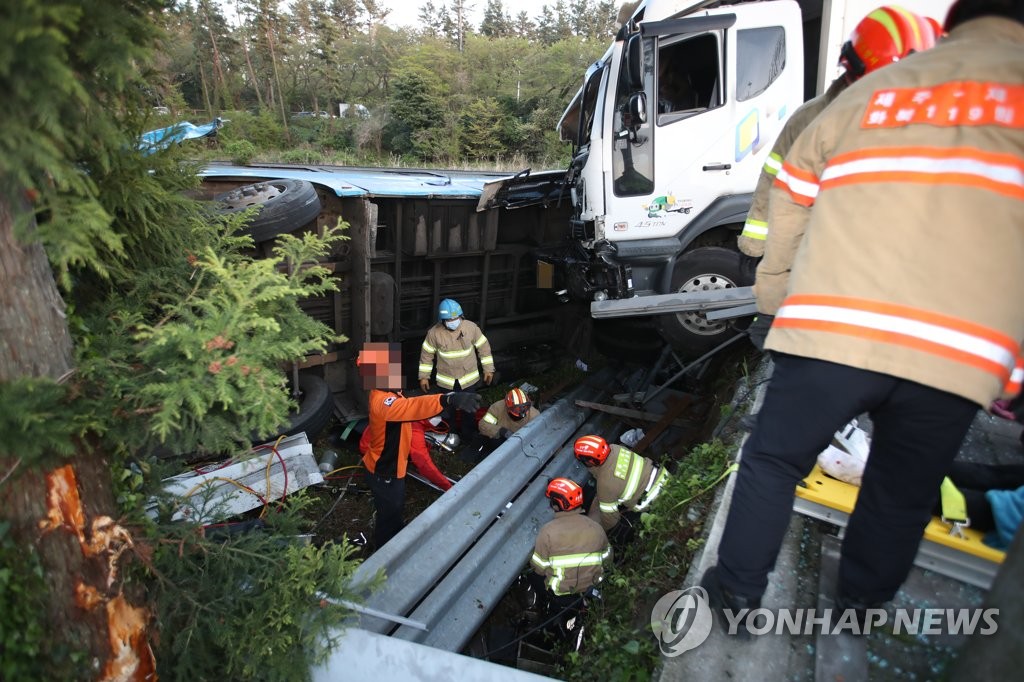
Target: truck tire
286, 206
316, 407
703, 269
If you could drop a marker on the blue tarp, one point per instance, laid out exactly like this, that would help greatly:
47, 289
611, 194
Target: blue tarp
155, 140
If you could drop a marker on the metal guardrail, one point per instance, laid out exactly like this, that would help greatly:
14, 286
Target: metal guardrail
660, 304
450, 566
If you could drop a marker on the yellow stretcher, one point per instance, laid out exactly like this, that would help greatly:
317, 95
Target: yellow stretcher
964, 557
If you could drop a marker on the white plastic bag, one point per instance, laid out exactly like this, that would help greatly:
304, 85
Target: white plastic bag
847, 456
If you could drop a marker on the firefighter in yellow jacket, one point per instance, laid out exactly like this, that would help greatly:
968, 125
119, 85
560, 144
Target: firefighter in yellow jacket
505, 417
456, 345
869, 49
625, 480
893, 269
571, 549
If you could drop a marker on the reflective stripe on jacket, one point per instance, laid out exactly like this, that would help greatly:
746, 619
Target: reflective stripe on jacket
897, 221
755, 229
456, 353
621, 481
570, 552
497, 419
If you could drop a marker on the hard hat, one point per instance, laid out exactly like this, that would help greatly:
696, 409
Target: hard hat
566, 495
517, 404
591, 450
884, 36
449, 310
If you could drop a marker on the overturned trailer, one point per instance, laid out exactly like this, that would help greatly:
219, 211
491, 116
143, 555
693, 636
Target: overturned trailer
416, 237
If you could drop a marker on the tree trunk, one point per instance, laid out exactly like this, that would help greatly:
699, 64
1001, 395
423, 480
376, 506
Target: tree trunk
277, 79
65, 515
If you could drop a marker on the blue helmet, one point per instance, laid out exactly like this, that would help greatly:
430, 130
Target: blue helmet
449, 310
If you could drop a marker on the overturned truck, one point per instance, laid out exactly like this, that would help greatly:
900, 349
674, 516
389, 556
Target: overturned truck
416, 237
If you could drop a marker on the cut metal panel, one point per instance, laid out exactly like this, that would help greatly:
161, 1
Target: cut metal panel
362, 655
212, 494
372, 182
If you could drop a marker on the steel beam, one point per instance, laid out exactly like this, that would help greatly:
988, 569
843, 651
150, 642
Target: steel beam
673, 303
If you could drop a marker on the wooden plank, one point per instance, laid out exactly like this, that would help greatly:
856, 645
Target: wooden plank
631, 414
676, 406
317, 360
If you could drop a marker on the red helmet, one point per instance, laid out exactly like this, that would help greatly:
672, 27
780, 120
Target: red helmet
517, 404
591, 450
884, 36
565, 494
937, 31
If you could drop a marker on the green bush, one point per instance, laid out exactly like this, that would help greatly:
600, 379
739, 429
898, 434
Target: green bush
240, 151
263, 129
302, 155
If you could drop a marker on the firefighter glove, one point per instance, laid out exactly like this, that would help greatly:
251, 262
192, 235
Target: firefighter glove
758, 330
464, 400
504, 433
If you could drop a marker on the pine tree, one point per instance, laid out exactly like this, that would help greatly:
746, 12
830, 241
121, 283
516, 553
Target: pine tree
131, 320
496, 22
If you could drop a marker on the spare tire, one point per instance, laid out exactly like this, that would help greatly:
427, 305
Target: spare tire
286, 206
316, 407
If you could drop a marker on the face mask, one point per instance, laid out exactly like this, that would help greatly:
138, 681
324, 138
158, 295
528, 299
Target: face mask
453, 324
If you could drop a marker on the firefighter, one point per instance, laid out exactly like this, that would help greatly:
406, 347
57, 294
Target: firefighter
625, 480
390, 431
881, 286
456, 344
505, 417
571, 549
883, 37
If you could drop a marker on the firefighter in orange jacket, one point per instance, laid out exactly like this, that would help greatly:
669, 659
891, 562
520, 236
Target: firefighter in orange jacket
390, 431
893, 269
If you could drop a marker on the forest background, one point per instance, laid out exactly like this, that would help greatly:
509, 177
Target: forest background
338, 82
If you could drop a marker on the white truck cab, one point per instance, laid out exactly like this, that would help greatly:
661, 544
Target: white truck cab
670, 130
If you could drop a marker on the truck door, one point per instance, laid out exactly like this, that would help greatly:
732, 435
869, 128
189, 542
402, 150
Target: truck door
718, 88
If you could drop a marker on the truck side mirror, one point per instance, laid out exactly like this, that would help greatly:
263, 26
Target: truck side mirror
638, 109
633, 54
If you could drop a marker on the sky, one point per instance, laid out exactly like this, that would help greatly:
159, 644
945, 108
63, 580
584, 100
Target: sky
405, 12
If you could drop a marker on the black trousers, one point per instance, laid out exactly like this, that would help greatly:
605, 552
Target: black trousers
388, 502
917, 433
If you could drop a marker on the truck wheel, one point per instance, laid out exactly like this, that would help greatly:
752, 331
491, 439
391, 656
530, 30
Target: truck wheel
286, 205
316, 407
703, 269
